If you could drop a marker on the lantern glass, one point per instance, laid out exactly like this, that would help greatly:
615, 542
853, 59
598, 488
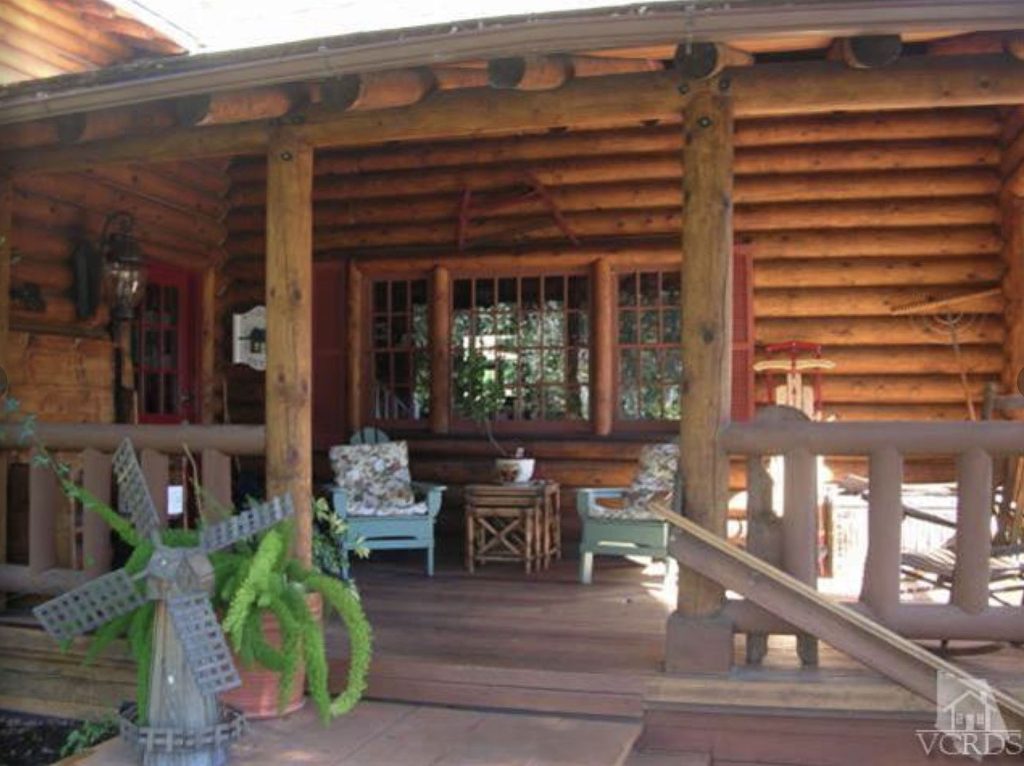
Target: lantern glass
126, 277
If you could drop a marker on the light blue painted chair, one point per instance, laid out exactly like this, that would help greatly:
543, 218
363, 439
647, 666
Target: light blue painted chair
376, 497
616, 522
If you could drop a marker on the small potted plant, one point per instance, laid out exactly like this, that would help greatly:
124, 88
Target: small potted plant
480, 396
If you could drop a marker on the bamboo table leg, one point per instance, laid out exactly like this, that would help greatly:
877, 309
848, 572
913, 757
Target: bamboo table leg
470, 534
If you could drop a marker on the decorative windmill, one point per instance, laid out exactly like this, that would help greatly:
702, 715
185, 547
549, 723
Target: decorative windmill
191, 661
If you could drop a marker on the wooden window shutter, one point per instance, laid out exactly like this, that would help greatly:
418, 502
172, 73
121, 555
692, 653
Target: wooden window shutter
329, 354
742, 335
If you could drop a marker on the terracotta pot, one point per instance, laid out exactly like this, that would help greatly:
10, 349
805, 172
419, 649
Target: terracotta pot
257, 696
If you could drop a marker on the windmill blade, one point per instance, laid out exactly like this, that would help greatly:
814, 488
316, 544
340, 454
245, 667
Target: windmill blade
88, 606
133, 498
246, 524
206, 652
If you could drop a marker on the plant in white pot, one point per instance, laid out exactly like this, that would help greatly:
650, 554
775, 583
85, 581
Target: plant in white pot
480, 396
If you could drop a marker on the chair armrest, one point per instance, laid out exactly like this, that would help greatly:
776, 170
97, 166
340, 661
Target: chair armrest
432, 493
586, 498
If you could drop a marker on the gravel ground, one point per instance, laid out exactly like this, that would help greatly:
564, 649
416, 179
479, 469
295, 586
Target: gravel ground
27, 740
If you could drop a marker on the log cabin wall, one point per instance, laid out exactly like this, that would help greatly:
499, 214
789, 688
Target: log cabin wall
45, 38
846, 217
61, 367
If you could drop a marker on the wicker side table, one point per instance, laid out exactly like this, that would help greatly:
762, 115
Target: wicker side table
512, 522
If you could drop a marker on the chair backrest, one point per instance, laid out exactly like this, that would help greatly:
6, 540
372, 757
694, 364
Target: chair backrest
369, 435
657, 475
376, 476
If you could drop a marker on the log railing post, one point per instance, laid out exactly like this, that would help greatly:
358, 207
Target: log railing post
289, 278
973, 530
699, 637
440, 351
216, 478
602, 389
44, 503
96, 478
880, 588
800, 531
156, 467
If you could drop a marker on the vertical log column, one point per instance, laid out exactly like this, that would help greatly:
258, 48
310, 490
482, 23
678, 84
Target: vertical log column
699, 637
6, 228
441, 351
603, 388
208, 404
1013, 288
289, 400
356, 341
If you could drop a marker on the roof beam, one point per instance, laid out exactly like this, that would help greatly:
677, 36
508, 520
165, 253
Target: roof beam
760, 91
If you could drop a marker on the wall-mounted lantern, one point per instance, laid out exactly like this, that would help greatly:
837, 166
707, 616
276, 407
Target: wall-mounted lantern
124, 271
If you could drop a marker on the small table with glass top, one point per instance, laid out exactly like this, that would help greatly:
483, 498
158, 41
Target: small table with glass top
513, 522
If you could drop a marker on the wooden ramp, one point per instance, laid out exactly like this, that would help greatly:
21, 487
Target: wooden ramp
903, 661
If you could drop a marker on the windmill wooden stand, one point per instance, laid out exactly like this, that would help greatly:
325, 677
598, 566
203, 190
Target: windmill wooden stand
191, 661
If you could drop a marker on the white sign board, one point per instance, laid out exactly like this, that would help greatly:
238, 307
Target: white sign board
249, 338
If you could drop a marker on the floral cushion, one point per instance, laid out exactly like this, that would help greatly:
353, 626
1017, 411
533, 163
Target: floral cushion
655, 480
376, 479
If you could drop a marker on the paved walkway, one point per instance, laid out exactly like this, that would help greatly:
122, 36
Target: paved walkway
385, 734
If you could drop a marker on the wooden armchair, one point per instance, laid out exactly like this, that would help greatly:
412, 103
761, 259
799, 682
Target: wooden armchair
383, 508
616, 522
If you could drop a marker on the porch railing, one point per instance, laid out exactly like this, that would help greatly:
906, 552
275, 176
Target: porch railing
54, 521
970, 613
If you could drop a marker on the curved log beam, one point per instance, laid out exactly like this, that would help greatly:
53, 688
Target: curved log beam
867, 51
377, 90
529, 72
702, 60
235, 106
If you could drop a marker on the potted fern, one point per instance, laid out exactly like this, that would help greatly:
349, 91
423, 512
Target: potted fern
480, 396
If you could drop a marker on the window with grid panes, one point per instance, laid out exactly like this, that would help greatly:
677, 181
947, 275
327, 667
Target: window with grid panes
400, 358
535, 331
649, 355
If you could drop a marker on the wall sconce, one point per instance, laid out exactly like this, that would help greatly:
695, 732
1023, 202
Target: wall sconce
122, 263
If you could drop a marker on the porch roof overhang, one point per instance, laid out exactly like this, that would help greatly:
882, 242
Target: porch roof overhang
605, 28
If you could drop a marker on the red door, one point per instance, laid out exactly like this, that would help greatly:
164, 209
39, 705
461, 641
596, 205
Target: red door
164, 344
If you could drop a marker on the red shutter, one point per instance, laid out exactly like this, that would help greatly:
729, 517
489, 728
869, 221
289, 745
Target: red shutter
329, 354
742, 335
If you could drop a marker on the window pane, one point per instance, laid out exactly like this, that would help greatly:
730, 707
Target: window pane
649, 354
525, 331
400, 340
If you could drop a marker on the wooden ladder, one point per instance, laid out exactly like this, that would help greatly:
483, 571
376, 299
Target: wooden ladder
862, 638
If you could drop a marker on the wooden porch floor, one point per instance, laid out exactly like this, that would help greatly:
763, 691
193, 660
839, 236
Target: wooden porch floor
500, 638
545, 643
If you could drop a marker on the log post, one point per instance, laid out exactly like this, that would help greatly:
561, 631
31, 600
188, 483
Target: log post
440, 351
880, 589
208, 346
699, 638
356, 342
289, 278
970, 589
602, 390
1013, 290
6, 228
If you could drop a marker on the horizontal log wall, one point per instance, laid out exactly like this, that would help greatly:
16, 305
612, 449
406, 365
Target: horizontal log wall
39, 38
62, 367
846, 217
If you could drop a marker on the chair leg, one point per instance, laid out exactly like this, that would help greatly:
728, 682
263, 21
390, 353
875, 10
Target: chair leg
430, 561
586, 567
